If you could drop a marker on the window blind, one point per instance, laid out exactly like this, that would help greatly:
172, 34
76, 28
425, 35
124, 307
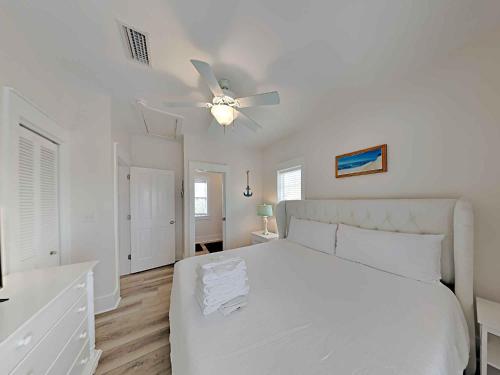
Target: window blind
290, 184
200, 197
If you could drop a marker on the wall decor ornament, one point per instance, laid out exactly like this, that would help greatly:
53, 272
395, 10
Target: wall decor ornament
367, 161
248, 192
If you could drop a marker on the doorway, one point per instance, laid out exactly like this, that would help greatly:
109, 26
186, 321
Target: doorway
208, 212
152, 223
207, 208
146, 223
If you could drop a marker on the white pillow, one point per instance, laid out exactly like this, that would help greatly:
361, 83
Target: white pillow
313, 234
416, 256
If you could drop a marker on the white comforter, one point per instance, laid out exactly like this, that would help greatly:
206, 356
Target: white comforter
313, 313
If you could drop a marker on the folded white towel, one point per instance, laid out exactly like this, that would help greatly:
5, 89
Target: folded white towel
225, 308
206, 310
221, 269
216, 262
233, 305
222, 297
223, 286
224, 280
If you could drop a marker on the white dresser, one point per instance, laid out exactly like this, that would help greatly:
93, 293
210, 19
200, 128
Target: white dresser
47, 326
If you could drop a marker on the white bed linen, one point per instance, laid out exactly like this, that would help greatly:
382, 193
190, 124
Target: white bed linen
313, 313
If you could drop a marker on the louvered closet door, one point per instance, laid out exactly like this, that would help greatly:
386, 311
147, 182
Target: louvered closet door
37, 202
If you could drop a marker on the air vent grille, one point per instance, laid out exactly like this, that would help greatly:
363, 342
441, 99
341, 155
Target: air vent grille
138, 45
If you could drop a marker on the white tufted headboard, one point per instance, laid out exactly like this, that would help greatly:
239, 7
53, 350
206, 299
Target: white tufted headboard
451, 217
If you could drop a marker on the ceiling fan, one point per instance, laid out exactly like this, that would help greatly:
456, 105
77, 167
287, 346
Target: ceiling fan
225, 107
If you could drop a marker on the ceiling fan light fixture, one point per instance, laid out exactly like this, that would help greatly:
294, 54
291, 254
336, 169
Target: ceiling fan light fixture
224, 114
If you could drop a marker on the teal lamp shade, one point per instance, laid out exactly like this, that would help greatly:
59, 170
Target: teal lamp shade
265, 210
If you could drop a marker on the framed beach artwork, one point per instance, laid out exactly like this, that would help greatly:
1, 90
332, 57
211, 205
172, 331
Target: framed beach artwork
367, 161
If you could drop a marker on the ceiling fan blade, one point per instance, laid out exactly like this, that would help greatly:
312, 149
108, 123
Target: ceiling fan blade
247, 121
268, 98
208, 75
187, 105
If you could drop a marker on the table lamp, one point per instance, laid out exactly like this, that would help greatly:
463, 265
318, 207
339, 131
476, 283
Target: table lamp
265, 210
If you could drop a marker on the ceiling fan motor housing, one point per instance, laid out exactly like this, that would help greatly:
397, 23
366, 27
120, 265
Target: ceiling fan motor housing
224, 84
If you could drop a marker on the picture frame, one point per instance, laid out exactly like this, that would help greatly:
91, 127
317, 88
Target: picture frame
366, 161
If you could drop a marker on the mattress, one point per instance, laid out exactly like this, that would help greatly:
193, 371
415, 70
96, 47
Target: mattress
314, 313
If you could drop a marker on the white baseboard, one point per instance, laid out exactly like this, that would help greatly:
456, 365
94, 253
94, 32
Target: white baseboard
208, 238
92, 365
107, 303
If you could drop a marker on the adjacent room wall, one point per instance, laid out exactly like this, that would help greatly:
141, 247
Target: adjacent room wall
159, 153
209, 229
442, 128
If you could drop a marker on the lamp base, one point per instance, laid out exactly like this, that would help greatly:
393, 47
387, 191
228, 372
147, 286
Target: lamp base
265, 232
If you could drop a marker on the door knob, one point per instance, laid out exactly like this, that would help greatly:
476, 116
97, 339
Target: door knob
172, 221
53, 252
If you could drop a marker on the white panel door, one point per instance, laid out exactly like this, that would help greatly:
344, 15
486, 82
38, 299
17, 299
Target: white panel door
37, 211
152, 208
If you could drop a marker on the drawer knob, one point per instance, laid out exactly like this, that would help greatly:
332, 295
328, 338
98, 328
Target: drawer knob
25, 341
80, 286
84, 361
83, 335
81, 309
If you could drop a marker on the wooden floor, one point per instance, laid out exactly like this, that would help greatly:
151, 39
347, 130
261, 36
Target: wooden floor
135, 336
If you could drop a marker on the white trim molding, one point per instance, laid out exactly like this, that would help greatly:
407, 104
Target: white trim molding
116, 231
107, 302
189, 219
16, 109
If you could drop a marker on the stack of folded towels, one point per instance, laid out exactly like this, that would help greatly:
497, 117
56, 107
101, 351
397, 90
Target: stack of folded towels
222, 285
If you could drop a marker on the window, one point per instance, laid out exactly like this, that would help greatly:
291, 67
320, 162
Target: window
290, 183
200, 197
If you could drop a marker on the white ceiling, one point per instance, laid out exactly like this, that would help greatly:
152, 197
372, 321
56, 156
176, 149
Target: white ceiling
307, 50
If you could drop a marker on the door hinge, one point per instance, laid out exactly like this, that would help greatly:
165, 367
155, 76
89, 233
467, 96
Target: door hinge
129, 217
128, 176
129, 257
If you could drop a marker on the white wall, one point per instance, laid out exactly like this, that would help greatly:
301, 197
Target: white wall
154, 152
217, 149
210, 228
120, 134
92, 198
442, 128
87, 114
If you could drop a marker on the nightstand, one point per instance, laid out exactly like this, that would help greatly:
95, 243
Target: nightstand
260, 237
488, 316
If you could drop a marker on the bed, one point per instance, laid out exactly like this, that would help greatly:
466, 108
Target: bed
314, 313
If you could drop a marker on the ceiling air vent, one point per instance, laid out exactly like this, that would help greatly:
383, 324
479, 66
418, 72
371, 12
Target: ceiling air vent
138, 44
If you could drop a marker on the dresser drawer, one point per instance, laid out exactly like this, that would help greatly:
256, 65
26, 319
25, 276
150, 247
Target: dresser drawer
66, 358
82, 362
16, 347
41, 357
